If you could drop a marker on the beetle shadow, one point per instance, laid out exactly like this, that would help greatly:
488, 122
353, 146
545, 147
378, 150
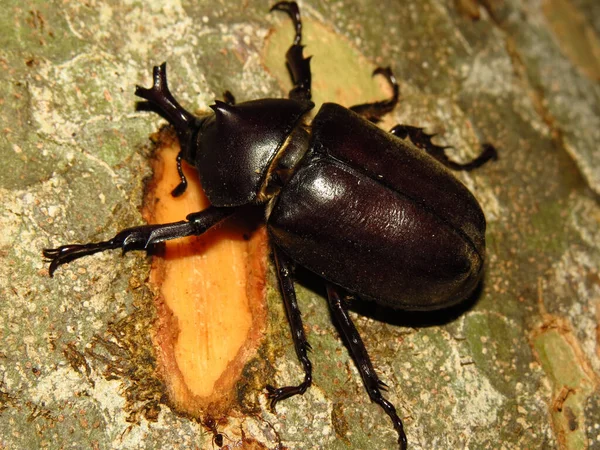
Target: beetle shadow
396, 317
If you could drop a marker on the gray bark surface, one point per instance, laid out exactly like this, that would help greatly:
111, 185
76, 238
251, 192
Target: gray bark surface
516, 368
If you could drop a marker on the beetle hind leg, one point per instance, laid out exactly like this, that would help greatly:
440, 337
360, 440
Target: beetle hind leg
376, 110
423, 140
297, 64
286, 284
372, 383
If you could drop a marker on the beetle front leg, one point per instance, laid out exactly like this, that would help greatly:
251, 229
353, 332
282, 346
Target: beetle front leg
350, 336
298, 65
286, 284
140, 238
423, 140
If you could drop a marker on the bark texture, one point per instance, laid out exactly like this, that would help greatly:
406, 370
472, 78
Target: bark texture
518, 367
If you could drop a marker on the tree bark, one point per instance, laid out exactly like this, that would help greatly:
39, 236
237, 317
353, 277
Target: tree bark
515, 367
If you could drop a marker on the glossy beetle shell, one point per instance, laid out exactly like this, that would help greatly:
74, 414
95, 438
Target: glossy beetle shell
237, 145
379, 217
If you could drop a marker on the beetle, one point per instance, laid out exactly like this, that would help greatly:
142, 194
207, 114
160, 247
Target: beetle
373, 215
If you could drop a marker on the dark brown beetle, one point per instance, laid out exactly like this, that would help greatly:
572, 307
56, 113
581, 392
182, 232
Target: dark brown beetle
372, 215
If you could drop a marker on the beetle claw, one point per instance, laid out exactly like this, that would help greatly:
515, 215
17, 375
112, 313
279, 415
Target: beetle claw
66, 253
273, 395
277, 394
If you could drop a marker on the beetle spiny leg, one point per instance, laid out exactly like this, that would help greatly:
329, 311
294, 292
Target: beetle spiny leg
419, 138
185, 123
139, 238
352, 339
424, 141
286, 285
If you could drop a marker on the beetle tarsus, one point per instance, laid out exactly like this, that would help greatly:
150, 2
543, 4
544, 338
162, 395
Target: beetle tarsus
286, 283
297, 64
376, 110
488, 153
292, 10
352, 339
277, 394
139, 238
424, 141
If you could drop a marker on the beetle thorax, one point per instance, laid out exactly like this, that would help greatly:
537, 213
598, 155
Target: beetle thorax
245, 145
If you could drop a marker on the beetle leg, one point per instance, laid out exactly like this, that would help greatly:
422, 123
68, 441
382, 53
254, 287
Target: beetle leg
350, 336
229, 98
297, 64
286, 284
185, 123
140, 238
423, 141
376, 110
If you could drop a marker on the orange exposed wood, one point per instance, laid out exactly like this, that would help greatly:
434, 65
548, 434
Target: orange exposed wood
211, 308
